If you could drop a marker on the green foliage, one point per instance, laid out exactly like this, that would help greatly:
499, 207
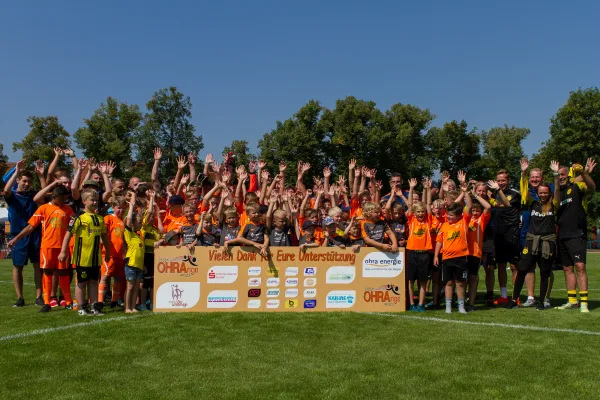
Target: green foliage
167, 125
241, 151
502, 150
109, 132
456, 148
3, 159
45, 134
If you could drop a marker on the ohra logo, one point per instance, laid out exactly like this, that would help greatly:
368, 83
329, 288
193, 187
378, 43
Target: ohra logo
176, 267
191, 259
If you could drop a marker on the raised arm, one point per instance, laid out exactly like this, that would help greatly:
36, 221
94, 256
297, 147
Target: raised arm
524, 182
304, 201
412, 182
129, 217
464, 187
302, 169
427, 194
40, 197
20, 167
351, 166
496, 188
155, 168
75, 191
207, 161
181, 163
589, 168
52, 167
104, 167
192, 164
39, 171
71, 154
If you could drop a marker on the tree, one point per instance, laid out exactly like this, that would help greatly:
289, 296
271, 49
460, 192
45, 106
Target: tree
3, 160
45, 134
502, 150
574, 131
455, 148
241, 151
297, 138
167, 125
109, 132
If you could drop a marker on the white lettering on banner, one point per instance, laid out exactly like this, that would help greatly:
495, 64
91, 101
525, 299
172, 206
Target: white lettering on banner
291, 293
254, 271
341, 299
178, 295
273, 303
383, 265
222, 299
291, 282
253, 282
222, 274
254, 303
271, 282
342, 275
291, 271
310, 293
272, 292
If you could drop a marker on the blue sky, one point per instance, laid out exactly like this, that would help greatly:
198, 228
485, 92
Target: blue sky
246, 65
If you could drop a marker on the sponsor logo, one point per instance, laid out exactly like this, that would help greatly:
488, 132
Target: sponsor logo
222, 299
291, 282
272, 303
310, 271
180, 265
291, 271
291, 303
273, 282
222, 274
254, 293
525, 250
272, 292
340, 299
254, 281
191, 259
310, 303
291, 293
383, 265
342, 275
310, 282
386, 294
310, 293
254, 271
178, 295
254, 303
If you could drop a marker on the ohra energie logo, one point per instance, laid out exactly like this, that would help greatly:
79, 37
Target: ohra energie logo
383, 265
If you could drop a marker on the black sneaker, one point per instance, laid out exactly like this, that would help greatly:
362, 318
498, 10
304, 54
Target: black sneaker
512, 304
45, 308
469, 308
20, 303
39, 301
69, 306
540, 306
113, 304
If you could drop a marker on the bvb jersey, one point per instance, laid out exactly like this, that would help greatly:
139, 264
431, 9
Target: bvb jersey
87, 229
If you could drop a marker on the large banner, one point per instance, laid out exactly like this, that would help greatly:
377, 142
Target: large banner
322, 279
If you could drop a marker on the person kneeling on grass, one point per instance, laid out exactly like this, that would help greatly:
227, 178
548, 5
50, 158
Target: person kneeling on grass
452, 238
134, 267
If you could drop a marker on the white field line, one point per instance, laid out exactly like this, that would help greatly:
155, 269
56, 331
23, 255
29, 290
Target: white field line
11, 282
96, 321
489, 324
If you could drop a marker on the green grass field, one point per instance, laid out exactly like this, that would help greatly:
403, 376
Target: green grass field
499, 354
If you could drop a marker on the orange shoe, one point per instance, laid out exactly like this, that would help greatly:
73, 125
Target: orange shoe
501, 301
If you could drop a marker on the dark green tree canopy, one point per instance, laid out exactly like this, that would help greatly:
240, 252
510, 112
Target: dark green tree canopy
44, 135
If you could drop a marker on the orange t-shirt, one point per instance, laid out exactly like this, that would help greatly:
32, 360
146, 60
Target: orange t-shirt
319, 236
115, 228
434, 227
171, 223
355, 208
55, 221
419, 235
475, 234
453, 238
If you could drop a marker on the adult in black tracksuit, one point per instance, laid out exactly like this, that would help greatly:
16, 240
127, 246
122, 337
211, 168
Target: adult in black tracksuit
540, 243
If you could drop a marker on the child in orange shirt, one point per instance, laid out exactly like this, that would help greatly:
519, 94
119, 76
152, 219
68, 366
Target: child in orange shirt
115, 267
452, 238
481, 213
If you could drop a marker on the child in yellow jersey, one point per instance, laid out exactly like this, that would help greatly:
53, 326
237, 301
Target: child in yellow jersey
151, 234
88, 229
134, 266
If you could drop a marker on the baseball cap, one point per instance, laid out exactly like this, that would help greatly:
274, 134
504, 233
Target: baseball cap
176, 200
90, 182
328, 221
307, 224
262, 209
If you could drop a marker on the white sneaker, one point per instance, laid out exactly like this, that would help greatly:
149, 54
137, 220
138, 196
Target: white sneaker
584, 308
568, 306
529, 303
83, 312
547, 303
97, 313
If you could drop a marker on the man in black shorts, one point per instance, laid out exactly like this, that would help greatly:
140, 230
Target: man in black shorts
572, 233
507, 203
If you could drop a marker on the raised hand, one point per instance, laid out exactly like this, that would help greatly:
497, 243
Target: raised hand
157, 154
243, 176
300, 164
282, 167
305, 167
110, 167
341, 180
590, 165
412, 183
366, 172
102, 167
357, 172
192, 158
332, 190
39, 168
58, 151
226, 176
181, 162
427, 182
462, 176
264, 175
83, 163
20, 167
92, 164
216, 167
326, 172
309, 192
554, 166
185, 178
493, 185
445, 176
224, 192
239, 169
68, 152
208, 159
524, 164
261, 164
464, 186
373, 173
352, 164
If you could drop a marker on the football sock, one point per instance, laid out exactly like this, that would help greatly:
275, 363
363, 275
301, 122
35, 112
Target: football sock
503, 292
46, 287
583, 296
65, 286
572, 296
101, 292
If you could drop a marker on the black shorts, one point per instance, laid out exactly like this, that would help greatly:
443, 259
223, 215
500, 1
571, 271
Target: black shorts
473, 264
572, 250
148, 270
507, 247
432, 267
85, 274
487, 253
529, 261
455, 269
418, 265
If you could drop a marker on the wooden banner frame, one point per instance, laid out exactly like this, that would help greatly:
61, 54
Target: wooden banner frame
321, 279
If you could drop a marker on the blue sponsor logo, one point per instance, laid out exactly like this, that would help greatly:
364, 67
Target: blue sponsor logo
310, 303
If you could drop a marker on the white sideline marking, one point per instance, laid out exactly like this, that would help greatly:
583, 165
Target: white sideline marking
24, 283
564, 290
64, 327
490, 324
